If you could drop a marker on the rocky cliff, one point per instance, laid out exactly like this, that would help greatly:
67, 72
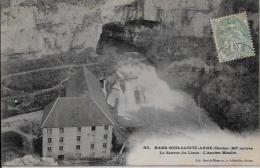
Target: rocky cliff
31, 29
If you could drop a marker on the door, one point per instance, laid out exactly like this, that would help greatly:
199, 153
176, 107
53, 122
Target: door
92, 155
60, 157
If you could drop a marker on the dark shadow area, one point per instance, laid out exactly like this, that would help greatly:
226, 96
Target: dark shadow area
37, 145
11, 146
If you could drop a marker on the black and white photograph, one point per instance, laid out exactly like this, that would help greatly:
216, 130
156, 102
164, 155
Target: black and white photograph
130, 83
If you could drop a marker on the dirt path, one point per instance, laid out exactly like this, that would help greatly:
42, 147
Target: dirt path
52, 68
69, 74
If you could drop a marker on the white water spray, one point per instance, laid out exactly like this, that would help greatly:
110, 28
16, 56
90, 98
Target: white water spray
140, 88
145, 100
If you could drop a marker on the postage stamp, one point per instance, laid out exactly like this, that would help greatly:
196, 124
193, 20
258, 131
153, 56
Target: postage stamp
232, 37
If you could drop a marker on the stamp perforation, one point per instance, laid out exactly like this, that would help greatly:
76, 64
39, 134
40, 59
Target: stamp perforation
244, 17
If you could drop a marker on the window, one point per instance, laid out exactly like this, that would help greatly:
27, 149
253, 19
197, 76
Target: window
102, 83
61, 130
106, 127
104, 145
93, 128
49, 149
137, 97
61, 148
78, 138
79, 129
61, 139
105, 136
78, 147
49, 140
92, 155
60, 157
49, 130
92, 146
159, 14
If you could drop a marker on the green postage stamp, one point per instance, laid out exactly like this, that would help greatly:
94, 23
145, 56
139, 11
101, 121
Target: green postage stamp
232, 37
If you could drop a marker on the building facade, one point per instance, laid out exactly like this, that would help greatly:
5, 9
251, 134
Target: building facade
77, 142
79, 124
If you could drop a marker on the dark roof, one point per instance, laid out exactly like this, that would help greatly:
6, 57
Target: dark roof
75, 112
95, 91
47, 109
84, 104
77, 83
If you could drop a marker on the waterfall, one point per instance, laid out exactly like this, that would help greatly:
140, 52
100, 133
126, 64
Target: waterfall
139, 87
147, 102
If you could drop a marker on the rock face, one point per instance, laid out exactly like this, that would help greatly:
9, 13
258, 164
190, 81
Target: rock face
35, 28
132, 36
31, 29
145, 25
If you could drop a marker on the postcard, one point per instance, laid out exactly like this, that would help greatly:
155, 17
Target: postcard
130, 83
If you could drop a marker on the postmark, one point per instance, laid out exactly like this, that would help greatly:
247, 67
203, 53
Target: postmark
232, 37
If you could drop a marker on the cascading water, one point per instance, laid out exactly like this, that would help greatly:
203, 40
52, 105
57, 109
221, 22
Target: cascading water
143, 98
167, 117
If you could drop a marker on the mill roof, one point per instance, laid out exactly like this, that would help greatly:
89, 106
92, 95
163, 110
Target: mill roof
84, 103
